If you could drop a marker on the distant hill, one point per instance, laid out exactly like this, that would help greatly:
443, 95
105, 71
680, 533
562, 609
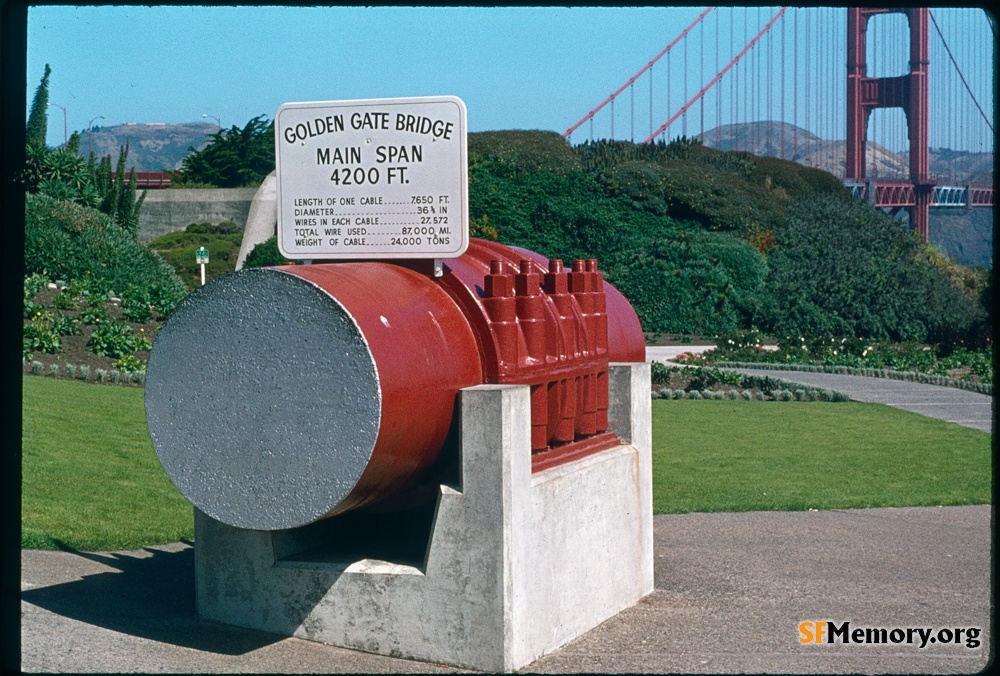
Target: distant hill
780, 139
152, 146
965, 236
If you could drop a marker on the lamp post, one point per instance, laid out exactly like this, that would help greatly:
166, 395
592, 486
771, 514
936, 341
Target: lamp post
65, 128
90, 133
217, 120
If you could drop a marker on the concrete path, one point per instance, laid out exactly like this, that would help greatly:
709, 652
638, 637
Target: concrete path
969, 409
731, 592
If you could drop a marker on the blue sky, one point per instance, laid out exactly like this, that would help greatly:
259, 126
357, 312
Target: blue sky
515, 67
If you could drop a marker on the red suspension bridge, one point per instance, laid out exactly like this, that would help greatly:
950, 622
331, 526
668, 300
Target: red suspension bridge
896, 102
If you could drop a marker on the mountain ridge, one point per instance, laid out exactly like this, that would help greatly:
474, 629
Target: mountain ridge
153, 146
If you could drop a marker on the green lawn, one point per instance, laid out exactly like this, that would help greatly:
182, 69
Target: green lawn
711, 456
91, 479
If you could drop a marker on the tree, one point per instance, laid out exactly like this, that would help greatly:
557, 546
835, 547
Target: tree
38, 118
118, 198
233, 158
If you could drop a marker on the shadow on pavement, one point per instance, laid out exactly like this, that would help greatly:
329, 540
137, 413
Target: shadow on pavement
149, 597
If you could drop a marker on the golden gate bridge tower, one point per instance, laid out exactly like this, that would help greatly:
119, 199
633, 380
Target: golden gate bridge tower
909, 92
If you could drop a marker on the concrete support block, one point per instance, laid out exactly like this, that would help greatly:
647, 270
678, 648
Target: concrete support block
517, 564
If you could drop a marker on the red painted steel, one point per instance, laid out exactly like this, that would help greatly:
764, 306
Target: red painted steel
635, 77
980, 196
891, 194
498, 315
553, 329
424, 351
909, 92
722, 72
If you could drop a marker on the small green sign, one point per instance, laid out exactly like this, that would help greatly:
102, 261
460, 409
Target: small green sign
201, 256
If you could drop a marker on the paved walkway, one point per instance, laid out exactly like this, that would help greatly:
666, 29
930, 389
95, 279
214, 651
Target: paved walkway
970, 409
731, 591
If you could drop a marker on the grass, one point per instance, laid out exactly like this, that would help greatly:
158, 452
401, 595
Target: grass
91, 480
745, 456
178, 249
90, 477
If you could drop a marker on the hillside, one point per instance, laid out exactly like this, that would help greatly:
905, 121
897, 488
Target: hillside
152, 146
780, 139
965, 236
703, 241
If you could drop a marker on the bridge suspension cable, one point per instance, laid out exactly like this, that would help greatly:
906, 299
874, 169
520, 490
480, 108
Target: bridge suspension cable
697, 96
610, 99
959, 71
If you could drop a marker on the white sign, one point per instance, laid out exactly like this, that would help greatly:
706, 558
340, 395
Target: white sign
201, 256
374, 178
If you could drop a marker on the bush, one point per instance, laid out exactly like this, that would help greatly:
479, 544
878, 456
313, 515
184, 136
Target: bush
68, 241
691, 281
507, 153
265, 254
113, 339
843, 268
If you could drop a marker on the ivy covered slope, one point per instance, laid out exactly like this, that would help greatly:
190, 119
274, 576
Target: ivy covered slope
708, 242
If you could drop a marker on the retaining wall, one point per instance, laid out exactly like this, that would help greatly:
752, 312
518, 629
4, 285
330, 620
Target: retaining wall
172, 210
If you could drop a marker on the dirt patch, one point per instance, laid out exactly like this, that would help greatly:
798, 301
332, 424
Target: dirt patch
73, 350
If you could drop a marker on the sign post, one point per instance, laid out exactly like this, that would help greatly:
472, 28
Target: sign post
201, 258
372, 178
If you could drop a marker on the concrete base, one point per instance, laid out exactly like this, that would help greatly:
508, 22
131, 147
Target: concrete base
516, 564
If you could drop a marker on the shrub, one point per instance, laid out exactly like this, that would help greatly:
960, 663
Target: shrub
841, 268
64, 301
33, 284
66, 326
265, 254
113, 339
511, 152
690, 281
129, 363
73, 242
94, 312
137, 305
39, 336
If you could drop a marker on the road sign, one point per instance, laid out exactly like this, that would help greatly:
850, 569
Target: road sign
201, 256
372, 178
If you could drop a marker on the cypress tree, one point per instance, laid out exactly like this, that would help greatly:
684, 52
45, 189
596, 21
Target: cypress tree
38, 118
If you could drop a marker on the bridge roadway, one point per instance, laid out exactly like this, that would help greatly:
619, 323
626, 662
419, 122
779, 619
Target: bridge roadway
731, 591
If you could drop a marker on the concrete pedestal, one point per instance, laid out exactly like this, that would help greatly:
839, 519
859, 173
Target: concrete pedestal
517, 564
